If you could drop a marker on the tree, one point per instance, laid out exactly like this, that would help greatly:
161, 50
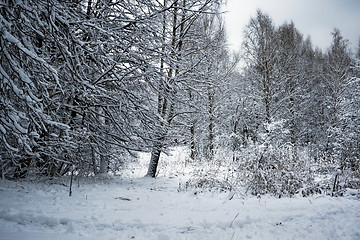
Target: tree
82, 86
173, 64
260, 52
27, 83
337, 70
277, 73
290, 71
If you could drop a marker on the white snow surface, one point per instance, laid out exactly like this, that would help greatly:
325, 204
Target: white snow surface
114, 208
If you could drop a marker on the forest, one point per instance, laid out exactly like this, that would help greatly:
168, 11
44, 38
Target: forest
85, 86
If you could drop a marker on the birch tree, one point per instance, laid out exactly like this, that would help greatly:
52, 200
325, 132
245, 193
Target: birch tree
337, 70
260, 53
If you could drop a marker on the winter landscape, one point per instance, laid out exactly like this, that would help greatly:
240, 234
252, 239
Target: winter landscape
134, 119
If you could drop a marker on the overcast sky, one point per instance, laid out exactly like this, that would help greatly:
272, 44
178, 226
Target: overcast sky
314, 18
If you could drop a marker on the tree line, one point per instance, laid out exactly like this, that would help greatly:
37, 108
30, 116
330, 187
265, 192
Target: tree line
87, 84
295, 111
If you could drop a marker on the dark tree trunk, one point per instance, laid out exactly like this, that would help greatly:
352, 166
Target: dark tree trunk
211, 123
154, 160
192, 142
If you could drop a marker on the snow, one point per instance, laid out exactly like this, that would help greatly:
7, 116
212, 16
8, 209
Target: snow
5, 77
9, 37
2, 129
57, 124
34, 134
8, 145
156, 210
134, 207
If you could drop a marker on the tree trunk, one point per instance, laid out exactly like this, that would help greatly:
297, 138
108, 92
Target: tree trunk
163, 103
266, 92
192, 142
154, 160
104, 164
211, 123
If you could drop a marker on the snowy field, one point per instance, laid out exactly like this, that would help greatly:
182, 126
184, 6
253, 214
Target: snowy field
142, 208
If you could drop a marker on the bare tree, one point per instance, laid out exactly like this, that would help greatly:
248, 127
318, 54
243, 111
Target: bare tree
177, 29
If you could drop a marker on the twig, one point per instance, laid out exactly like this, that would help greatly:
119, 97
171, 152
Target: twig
232, 196
122, 198
234, 219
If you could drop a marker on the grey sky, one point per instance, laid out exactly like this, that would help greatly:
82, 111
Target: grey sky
314, 18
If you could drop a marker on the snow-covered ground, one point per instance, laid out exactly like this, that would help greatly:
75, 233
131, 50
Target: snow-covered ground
153, 209
143, 208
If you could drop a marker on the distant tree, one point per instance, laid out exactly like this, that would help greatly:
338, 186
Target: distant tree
260, 54
291, 69
337, 70
279, 76
346, 132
